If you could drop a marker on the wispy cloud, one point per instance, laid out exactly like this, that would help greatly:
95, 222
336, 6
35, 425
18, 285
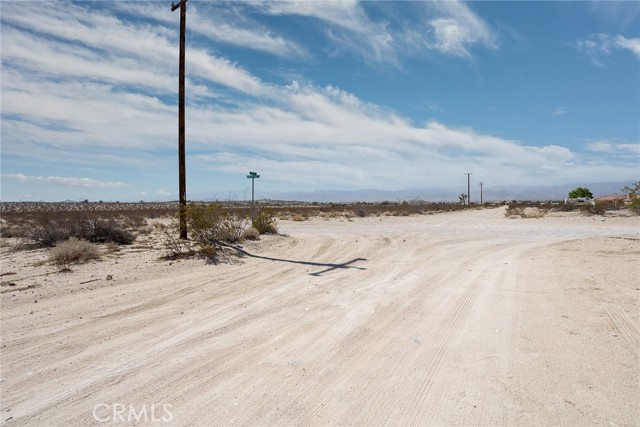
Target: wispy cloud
65, 181
560, 111
88, 88
452, 28
598, 46
624, 14
605, 146
459, 29
348, 26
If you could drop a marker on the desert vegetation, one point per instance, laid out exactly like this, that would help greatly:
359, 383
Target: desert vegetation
213, 226
633, 191
73, 251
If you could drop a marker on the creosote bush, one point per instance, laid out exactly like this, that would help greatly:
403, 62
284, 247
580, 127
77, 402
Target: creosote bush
50, 228
103, 231
265, 222
211, 226
73, 251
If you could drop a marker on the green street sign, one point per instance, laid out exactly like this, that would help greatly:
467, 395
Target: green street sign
253, 175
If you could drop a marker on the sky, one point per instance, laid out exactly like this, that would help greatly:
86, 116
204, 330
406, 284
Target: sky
315, 95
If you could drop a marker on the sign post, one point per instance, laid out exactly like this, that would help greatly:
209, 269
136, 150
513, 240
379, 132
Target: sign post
252, 176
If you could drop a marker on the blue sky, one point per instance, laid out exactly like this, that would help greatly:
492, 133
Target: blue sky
313, 95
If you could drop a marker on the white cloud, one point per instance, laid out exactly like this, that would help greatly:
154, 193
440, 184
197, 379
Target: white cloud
600, 45
119, 52
452, 28
458, 29
560, 111
65, 181
610, 147
72, 94
349, 27
632, 45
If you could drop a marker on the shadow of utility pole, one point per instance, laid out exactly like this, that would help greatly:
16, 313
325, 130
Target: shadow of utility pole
330, 266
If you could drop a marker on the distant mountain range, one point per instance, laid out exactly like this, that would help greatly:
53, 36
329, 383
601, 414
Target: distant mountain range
434, 194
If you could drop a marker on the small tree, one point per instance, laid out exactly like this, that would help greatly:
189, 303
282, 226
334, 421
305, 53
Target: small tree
463, 198
581, 192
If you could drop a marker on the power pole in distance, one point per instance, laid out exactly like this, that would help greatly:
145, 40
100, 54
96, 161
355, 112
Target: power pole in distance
481, 191
181, 151
468, 188
252, 176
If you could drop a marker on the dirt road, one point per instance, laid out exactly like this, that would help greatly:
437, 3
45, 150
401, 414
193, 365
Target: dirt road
466, 318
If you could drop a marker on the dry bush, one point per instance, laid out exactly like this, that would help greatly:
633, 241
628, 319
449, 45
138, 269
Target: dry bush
8, 231
361, 211
46, 229
265, 222
297, 217
513, 211
176, 247
211, 224
524, 210
530, 212
106, 231
595, 209
73, 251
251, 233
48, 234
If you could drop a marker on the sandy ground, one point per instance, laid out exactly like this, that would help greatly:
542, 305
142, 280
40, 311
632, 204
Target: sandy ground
466, 318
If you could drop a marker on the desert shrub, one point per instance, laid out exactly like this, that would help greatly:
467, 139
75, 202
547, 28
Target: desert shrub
176, 247
9, 231
251, 233
530, 212
46, 229
513, 210
48, 234
209, 224
297, 217
101, 231
73, 251
361, 211
265, 222
593, 209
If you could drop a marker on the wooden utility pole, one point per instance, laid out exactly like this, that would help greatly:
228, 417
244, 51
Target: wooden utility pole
181, 126
481, 191
468, 189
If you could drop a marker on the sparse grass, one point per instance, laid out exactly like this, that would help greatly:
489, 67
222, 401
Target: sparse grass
73, 251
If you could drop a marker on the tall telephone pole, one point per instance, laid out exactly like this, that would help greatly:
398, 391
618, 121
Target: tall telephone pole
181, 154
481, 191
468, 189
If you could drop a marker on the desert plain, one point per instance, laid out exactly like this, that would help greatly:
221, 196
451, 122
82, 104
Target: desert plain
461, 318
